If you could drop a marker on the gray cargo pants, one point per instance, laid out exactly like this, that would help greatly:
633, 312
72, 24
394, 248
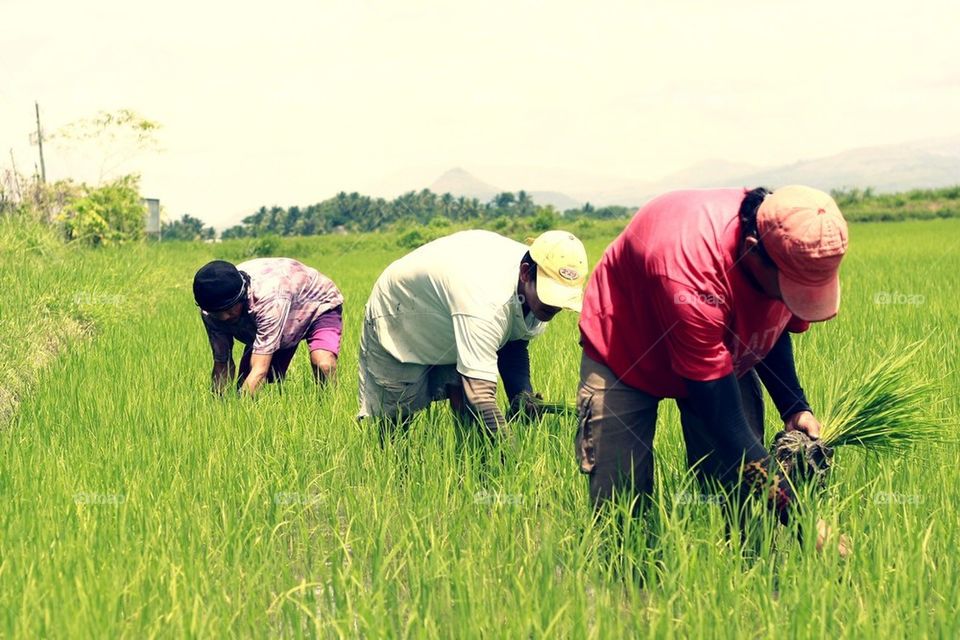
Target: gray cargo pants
617, 422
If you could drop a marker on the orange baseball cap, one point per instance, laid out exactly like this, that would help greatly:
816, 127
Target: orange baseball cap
805, 234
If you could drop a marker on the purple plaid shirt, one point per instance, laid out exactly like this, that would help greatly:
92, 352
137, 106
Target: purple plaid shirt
283, 300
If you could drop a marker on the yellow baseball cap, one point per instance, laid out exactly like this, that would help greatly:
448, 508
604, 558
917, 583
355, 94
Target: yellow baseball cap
561, 269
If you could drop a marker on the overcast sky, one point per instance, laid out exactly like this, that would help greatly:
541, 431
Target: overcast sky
290, 102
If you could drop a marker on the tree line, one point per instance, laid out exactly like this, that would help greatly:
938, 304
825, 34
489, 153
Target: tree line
187, 228
353, 212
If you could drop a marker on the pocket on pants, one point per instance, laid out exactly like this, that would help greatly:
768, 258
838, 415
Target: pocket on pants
585, 444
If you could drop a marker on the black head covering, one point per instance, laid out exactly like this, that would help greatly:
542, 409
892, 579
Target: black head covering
218, 285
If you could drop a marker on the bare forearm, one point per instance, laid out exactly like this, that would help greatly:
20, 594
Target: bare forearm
253, 382
259, 366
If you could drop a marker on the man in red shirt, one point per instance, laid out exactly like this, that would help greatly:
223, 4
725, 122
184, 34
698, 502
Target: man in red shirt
695, 301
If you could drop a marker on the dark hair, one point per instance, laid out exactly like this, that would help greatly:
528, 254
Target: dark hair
529, 260
748, 220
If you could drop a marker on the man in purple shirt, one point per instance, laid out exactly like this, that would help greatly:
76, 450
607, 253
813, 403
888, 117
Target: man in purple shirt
270, 305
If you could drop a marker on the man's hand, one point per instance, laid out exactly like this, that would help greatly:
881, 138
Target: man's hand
259, 367
803, 421
825, 536
527, 405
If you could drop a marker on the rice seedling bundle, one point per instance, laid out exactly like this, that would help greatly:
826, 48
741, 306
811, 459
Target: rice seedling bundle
887, 412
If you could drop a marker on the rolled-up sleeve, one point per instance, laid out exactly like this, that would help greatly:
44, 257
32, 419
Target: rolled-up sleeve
271, 317
477, 341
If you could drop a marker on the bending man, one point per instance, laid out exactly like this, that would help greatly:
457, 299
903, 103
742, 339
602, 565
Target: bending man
270, 305
695, 301
443, 321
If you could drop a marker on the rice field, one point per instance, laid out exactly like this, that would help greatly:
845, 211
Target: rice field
135, 504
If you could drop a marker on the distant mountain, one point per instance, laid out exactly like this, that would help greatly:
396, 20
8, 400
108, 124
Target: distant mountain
706, 174
886, 169
709, 173
924, 164
459, 183
938, 146
559, 201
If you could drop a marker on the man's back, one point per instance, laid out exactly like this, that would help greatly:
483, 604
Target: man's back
420, 301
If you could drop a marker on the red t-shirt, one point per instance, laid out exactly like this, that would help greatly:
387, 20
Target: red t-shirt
668, 301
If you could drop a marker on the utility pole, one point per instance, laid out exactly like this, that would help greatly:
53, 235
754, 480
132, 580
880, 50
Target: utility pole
43, 167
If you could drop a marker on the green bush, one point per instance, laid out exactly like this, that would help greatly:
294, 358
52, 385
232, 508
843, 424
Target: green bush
545, 220
583, 225
414, 237
417, 234
262, 247
110, 214
500, 223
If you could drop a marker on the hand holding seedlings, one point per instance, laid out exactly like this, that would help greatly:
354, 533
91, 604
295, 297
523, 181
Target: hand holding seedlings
804, 421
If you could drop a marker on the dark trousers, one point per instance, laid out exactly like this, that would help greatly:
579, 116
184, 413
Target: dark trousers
617, 422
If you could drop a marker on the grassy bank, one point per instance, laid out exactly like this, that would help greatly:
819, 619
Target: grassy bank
53, 296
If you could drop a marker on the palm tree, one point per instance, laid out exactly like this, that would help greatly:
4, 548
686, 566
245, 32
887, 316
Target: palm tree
525, 205
503, 202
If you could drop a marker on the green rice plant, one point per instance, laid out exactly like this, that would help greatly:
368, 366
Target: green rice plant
134, 504
887, 410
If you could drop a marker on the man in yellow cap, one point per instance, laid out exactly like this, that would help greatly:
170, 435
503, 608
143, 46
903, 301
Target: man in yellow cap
446, 319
